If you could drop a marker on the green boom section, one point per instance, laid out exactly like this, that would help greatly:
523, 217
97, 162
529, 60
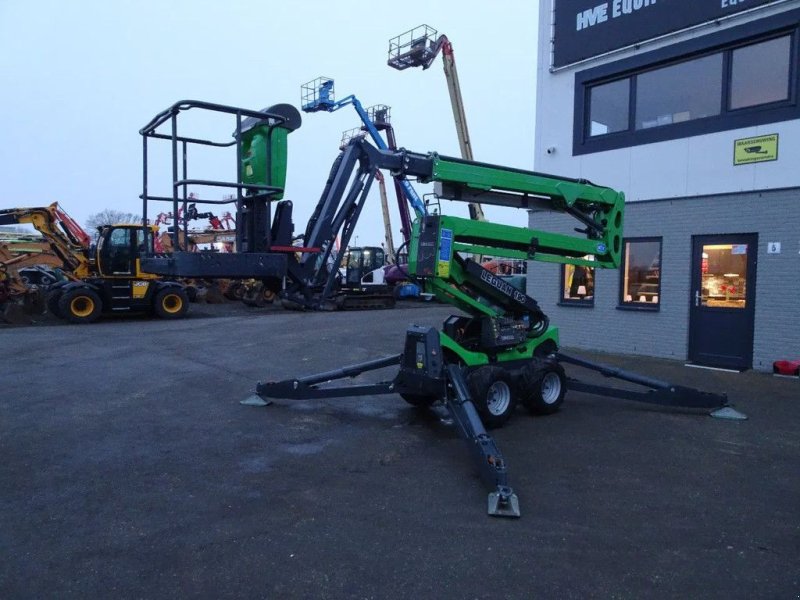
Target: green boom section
264, 156
602, 205
466, 236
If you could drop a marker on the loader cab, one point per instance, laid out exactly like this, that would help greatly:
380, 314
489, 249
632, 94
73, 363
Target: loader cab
119, 248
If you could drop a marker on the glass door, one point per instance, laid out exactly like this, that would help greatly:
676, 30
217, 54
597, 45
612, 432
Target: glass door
722, 300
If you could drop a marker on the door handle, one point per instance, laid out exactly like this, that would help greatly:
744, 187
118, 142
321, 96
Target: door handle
697, 298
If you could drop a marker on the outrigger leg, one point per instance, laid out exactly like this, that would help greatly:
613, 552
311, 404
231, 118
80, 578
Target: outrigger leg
661, 393
502, 502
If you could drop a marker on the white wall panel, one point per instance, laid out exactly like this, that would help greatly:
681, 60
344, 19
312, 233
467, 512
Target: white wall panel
657, 170
784, 172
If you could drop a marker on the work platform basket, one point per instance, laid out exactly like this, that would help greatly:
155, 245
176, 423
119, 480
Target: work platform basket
414, 48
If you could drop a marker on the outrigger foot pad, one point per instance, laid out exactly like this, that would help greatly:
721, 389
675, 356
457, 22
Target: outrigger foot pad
255, 400
728, 412
503, 503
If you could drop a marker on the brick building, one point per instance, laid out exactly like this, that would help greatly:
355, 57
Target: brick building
692, 110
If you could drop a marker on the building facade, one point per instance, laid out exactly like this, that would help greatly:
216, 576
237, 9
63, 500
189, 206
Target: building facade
693, 110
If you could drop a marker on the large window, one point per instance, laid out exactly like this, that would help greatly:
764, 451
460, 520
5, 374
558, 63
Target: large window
641, 273
609, 107
682, 92
760, 73
577, 285
712, 83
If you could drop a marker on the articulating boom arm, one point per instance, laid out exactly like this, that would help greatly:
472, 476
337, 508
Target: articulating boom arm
443, 248
598, 209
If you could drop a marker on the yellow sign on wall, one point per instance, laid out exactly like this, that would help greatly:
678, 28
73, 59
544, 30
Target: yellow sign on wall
761, 148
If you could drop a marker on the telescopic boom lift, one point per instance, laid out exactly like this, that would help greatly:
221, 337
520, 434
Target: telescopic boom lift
419, 47
319, 95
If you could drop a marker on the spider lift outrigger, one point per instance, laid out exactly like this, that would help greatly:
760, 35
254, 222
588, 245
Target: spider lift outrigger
503, 350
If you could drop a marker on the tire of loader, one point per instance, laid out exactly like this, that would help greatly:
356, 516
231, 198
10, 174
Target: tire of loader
80, 305
171, 303
52, 303
492, 394
544, 385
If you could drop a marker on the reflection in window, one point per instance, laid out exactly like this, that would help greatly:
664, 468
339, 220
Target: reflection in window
760, 73
609, 107
682, 92
577, 284
120, 238
641, 273
724, 275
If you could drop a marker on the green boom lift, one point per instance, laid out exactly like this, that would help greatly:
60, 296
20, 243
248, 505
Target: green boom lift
502, 350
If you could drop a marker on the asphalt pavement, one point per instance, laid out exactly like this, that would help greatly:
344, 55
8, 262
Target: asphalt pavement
129, 469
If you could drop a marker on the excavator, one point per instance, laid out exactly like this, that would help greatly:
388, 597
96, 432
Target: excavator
500, 350
107, 279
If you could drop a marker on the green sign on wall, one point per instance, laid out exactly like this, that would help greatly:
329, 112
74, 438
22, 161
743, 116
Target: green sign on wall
761, 148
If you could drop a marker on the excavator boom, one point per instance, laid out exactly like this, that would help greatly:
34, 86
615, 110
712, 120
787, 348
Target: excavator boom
66, 238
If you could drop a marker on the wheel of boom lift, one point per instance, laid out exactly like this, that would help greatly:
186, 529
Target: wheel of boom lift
492, 394
80, 305
543, 386
171, 303
422, 400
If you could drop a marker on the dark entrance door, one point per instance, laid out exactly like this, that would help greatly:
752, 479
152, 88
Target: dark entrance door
723, 300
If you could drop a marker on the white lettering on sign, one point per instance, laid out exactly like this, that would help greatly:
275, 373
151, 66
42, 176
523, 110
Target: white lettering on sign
592, 16
619, 8
727, 3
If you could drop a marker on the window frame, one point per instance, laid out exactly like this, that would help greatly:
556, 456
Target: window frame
584, 302
622, 304
787, 23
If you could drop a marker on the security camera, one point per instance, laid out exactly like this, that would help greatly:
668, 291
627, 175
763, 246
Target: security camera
551, 150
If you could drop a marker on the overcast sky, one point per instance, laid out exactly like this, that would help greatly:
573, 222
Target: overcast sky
79, 79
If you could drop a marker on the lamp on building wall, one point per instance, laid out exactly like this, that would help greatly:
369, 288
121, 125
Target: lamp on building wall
581, 291
642, 298
654, 300
628, 298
